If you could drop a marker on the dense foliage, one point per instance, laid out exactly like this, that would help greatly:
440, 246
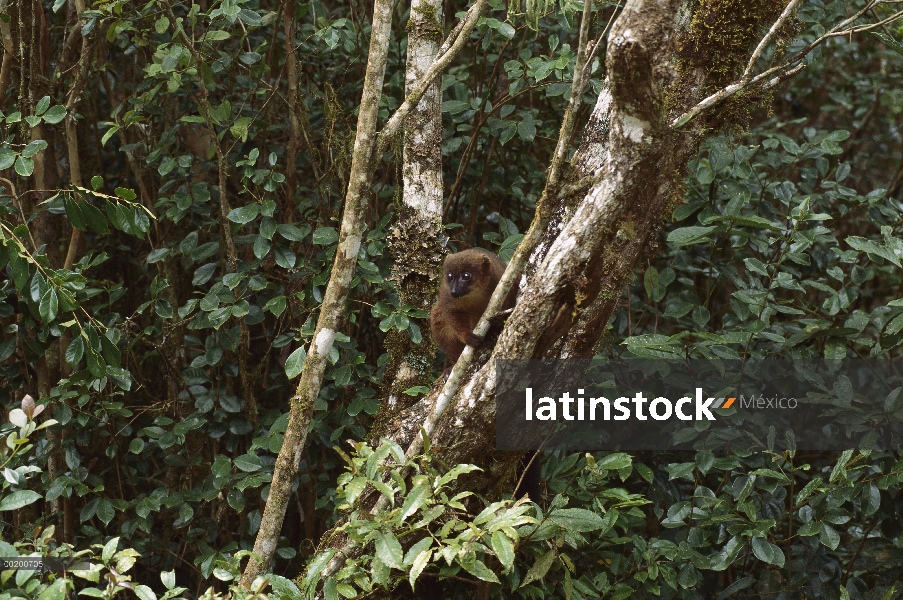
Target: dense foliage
166, 246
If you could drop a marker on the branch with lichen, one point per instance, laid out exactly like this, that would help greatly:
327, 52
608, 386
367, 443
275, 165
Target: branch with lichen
788, 68
463, 31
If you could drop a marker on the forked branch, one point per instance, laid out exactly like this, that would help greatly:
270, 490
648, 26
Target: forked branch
788, 68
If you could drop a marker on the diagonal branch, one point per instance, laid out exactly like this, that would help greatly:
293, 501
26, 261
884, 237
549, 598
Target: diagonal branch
784, 70
464, 29
768, 36
332, 308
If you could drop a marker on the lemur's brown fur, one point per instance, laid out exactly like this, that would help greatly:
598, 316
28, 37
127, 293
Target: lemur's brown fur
468, 280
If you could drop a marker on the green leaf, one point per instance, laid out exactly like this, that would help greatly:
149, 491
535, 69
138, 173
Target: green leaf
481, 571
55, 114
455, 106
248, 463
275, 305
42, 105
74, 213
807, 490
145, 593
33, 148
828, 536
756, 265
215, 36
503, 547
19, 267
113, 128
127, 194
24, 166
261, 247
506, 30
236, 500
19, 499
840, 468
96, 182
109, 549
7, 158
245, 214
163, 308
118, 218
416, 390
75, 351
324, 236
7, 347
203, 274
389, 551
96, 367
295, 362
889, 42
738, 585
56, 590
865, 245
285, 258
157, 255
105, 511
268, 227
767, 552
168, 578
419, 564
539, 568
292, 233
577, 519
120, 377
415, 499
49, 305
94, 218
614, 462
161, 25
686, 236
136, 446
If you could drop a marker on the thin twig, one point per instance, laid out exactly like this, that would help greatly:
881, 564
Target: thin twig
18, 204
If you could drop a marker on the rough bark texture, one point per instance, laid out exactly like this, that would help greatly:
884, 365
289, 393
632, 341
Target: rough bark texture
333, 307
625, 178
415, 243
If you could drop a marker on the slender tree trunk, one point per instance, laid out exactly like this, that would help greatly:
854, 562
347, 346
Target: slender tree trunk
415, 244
332, 309
294, 132
9, 53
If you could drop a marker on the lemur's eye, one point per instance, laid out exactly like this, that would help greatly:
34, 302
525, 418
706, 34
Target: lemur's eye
449, 275
465, 276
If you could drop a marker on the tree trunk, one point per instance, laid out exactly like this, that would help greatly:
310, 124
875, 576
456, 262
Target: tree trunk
333, 307
415, 244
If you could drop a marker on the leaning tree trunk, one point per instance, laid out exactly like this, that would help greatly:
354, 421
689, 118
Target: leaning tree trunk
332, 309
625, 179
